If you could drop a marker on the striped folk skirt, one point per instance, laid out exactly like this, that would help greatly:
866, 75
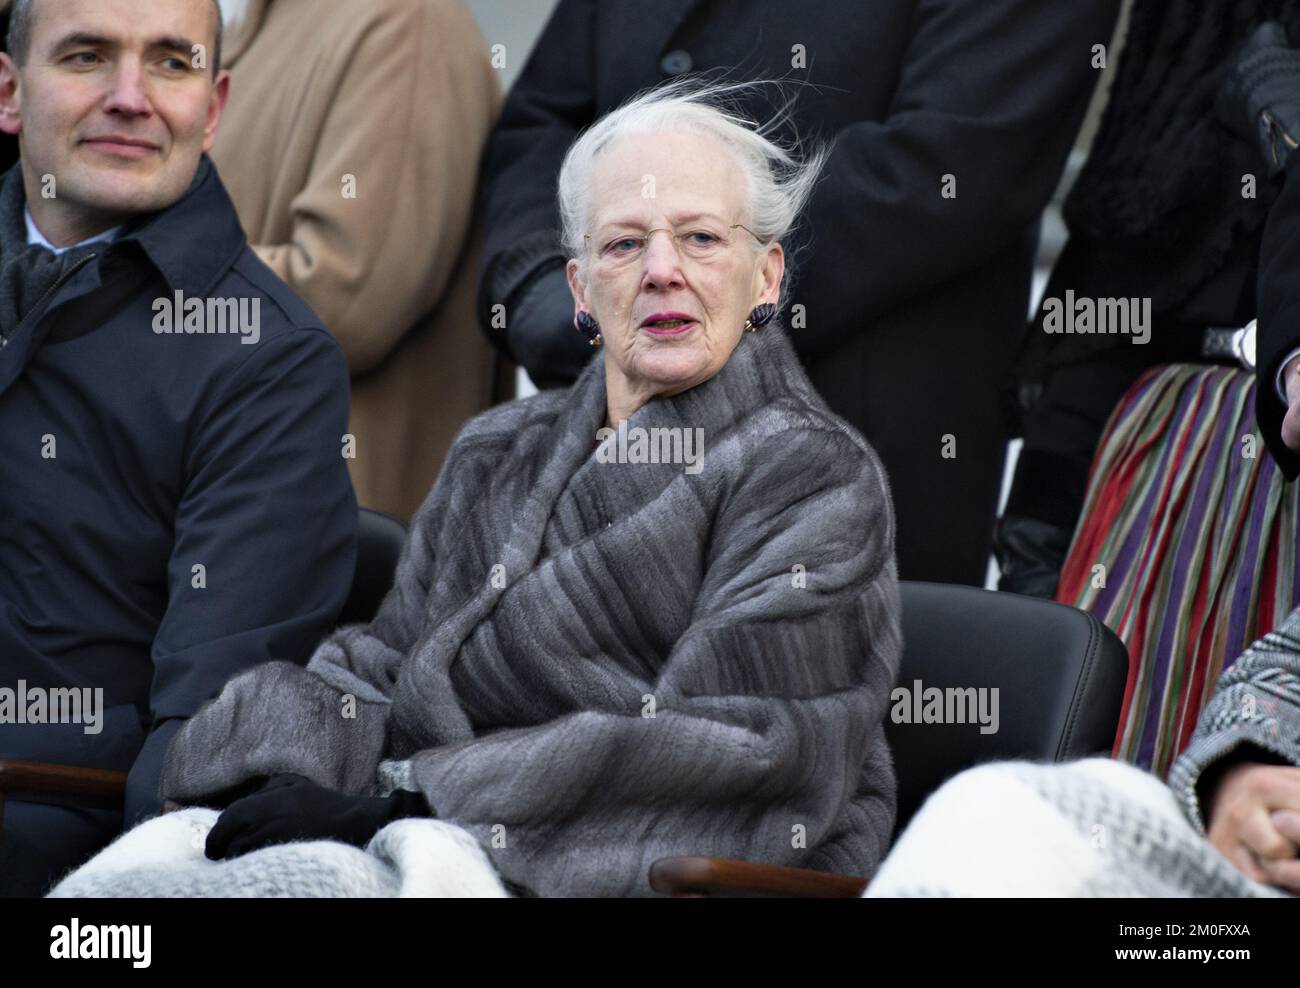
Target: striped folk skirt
1186, 547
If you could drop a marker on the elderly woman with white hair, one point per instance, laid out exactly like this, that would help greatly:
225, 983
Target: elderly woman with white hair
656, 614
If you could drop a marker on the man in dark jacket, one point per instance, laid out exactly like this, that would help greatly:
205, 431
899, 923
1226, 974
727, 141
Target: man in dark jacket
175, 505
952, 120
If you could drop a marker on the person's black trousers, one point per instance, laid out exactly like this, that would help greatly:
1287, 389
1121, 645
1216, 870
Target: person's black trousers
40, 843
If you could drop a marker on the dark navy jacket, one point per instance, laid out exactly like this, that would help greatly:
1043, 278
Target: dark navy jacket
1278, 333
171, 452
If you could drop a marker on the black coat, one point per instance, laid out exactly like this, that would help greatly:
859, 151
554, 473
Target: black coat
172, 450
1278, 292
912, 301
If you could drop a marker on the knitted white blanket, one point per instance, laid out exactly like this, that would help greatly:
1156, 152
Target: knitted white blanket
164, 857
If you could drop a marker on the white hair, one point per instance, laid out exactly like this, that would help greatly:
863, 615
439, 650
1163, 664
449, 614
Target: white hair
778, 179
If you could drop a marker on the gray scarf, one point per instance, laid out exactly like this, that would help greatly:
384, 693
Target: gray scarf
27, 271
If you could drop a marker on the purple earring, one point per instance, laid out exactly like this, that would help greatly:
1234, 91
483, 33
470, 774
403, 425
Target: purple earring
761, 316
586, 324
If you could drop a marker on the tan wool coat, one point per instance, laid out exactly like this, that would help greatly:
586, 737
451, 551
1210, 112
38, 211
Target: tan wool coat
350, 146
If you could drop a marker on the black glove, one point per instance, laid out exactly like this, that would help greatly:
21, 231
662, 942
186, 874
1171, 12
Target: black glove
291, 807
1030, 554
540, 332
1260, 97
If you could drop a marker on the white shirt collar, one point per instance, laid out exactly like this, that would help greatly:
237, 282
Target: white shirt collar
34, 236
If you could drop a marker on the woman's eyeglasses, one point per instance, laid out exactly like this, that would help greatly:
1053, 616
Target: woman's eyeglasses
699, 243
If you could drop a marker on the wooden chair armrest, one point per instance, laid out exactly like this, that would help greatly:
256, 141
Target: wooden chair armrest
44, 779
695, 877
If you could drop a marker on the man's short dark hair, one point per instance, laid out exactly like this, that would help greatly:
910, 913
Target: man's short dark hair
20, 33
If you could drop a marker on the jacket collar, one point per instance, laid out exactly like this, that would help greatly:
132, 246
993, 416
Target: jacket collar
762, 370
192, 243
195, 241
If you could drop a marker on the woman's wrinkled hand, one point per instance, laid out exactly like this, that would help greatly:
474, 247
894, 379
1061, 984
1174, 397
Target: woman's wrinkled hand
292, 807
1255, 822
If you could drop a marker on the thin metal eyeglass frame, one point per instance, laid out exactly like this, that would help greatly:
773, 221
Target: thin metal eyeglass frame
645, 238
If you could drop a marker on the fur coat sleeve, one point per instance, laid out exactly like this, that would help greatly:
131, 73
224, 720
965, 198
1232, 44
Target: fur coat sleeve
590, 663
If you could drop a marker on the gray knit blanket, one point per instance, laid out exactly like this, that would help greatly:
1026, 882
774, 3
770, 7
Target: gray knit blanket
596, 657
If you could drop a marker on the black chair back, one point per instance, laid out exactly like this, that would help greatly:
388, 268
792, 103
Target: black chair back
380, 538
1059, 672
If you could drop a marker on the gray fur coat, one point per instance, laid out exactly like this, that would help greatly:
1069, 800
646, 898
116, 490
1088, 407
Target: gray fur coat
589, 665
